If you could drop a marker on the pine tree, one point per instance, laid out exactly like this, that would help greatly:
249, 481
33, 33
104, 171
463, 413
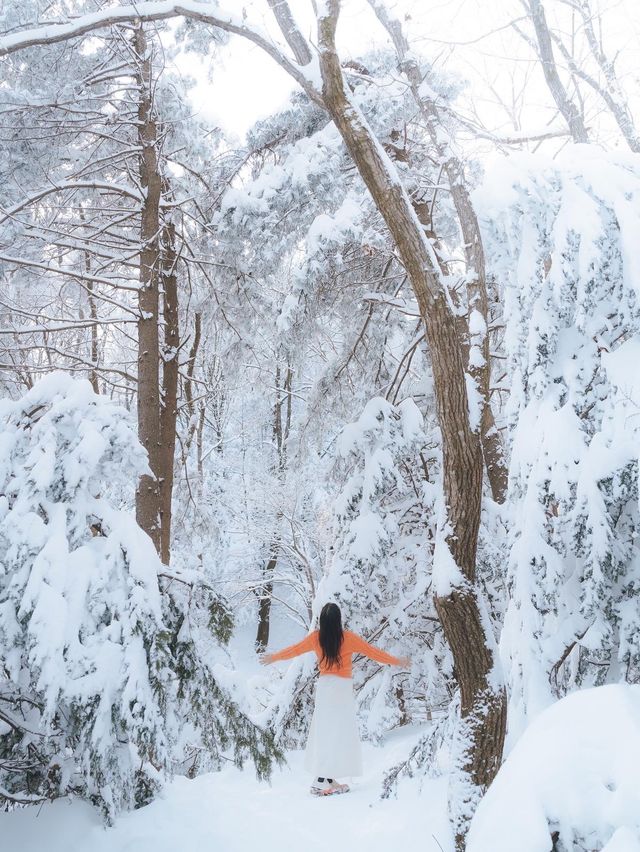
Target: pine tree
82, 666
560, 235
98, 667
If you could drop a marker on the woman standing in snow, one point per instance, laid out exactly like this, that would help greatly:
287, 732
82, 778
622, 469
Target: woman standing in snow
333, 747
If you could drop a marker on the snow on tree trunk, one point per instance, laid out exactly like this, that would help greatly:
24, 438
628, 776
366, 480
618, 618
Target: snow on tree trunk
170, 371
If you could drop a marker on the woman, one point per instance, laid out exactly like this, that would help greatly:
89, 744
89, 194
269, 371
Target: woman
333, 747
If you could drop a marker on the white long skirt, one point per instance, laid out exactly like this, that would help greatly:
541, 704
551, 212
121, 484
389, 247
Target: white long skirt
333, 747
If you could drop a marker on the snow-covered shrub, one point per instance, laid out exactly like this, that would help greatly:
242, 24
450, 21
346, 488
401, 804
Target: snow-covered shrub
380, 572
82, 697
97, 665
211, 719
561, 240
572, 781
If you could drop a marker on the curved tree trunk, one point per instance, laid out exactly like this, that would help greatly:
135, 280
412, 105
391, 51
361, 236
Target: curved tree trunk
483, 704
479, 368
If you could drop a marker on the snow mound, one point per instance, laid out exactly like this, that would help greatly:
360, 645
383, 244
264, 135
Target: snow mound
575, 770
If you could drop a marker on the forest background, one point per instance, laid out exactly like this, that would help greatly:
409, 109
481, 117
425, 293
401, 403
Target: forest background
369, 336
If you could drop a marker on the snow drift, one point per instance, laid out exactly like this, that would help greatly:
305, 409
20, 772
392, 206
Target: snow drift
575, 771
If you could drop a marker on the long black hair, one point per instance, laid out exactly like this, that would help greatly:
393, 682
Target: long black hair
331, 634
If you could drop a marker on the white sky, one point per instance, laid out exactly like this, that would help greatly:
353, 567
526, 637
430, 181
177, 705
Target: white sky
246, 85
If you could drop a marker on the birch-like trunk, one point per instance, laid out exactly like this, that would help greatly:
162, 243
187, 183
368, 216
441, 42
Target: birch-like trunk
565, 104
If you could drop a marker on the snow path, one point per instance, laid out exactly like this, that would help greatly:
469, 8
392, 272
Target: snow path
231, 811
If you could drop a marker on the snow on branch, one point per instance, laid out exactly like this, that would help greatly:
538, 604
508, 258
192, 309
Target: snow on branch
213, 14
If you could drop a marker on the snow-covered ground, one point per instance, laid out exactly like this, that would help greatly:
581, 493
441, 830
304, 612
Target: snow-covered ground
230, 811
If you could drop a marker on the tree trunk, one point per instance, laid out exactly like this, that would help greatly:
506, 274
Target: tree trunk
479, 367
610, 91
264, 605
169, 406
483, 705
612, 94
281, 427
564, 103
148, 492
200, 451
93, 313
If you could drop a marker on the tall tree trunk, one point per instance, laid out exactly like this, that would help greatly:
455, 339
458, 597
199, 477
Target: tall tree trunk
611, 93
148, 492
169, 405
93, 314
567, 108
190, 406
200, 451
477, 298
483, 704
610, 90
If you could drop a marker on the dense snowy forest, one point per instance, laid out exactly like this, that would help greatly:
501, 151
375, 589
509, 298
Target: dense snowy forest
304, 301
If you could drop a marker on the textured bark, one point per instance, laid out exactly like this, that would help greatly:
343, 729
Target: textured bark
148, 493
93, 314
483, 707
169, 404
564, 103
462, 455
188, 386
492, 449
191, 361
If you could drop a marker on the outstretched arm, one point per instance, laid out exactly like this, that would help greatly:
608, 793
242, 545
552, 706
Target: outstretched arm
377, 654
289, 652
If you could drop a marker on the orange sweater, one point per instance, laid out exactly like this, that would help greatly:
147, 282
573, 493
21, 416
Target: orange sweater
351, 644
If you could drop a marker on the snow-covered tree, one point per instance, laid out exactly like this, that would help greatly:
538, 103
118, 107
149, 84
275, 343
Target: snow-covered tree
97, 665
561, 239
381, 567
83, 694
